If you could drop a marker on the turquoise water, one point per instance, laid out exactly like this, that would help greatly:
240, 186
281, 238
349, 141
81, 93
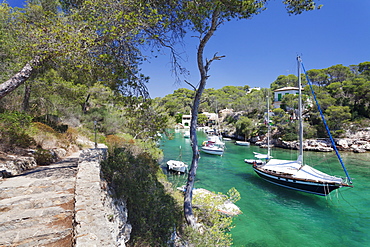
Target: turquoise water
275, 216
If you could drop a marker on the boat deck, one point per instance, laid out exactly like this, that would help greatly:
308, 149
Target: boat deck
294, 169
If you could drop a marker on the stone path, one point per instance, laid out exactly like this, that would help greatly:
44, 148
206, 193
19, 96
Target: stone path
37, 207
64, 204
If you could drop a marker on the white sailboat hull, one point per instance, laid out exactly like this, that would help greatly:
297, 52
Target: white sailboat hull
213, 150
291, 175
240, 143
213, 145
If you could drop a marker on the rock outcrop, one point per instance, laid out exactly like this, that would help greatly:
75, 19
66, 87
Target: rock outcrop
358, 143
11, 165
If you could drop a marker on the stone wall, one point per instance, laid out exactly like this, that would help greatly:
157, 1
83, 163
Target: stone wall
100, 220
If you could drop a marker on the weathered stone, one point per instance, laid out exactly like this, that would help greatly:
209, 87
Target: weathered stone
48, 205
37, 206
59, 152
100, 220
343, 143
14, 165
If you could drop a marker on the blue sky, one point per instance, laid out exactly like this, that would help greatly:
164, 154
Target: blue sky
258, 50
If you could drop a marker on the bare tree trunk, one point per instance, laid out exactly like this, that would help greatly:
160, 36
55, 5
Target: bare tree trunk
20, 77
26, 98
203, 69
85, 104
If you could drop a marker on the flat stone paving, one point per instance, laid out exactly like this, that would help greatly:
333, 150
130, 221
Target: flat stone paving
37, 207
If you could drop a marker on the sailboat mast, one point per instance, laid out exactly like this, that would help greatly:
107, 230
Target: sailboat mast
300, 158
268, 128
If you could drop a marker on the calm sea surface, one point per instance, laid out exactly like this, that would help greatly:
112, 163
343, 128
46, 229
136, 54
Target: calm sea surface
275, 216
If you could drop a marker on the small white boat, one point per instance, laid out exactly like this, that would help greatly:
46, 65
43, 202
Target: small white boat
262, 156
213, 146
187, 134
177, 166
253, 161
211, 149
240, 143
260, 159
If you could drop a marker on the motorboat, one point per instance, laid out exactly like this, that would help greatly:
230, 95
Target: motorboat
213, 145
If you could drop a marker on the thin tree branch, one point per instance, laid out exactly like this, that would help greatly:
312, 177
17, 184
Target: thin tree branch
195, 89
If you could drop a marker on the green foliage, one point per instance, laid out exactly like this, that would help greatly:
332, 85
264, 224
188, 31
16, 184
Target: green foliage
13, 130
178, 117
284, 81
231, 97
337, 116
153, 212
144, 121
215, 225
53, 122
178, 102
43, 157
364, 69
202, 119
245, 127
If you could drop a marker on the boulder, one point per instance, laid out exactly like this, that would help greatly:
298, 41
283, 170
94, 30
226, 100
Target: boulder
13, 165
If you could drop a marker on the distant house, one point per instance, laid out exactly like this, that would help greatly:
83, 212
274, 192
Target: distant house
224, 113
212, 118
279, 94
253, 88
186, 121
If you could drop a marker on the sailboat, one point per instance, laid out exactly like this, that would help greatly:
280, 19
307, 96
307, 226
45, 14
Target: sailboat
214, 143
294, 174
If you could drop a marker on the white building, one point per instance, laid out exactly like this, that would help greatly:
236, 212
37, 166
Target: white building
279, 94
253, 88
186, 119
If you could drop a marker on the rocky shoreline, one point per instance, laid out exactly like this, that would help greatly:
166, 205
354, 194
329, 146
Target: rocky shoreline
358, 142
324, 145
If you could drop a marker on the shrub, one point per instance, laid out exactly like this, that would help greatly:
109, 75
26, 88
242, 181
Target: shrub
53, 122
43, 157
153, 212
13, 126
215, 226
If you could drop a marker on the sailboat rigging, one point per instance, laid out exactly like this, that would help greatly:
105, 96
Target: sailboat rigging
295, 174
214, 143
260, 158
268, 155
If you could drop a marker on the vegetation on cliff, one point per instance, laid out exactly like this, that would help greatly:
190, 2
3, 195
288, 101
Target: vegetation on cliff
155, 208
343, 93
